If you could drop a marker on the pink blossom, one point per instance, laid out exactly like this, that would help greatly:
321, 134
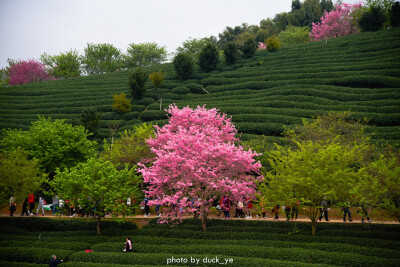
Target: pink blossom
28, 71
198, 158
261, 46
338, 22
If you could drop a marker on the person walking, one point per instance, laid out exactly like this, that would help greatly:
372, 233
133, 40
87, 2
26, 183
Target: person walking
12, 205
128, 245
346, 210
40, 205
146, 207
288, 208
275, 210
364, 213
295, 210
24, 207
54, 261
31, 201
226, 207
324, 209
249, 203
55, 202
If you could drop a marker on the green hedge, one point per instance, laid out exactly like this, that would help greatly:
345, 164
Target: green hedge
47, 224
32, 255
157, 258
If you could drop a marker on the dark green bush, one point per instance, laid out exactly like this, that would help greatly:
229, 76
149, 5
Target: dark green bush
184, 65
151, 115
137, 82
231, 53
372, 19
249, 48
33, 255
208, 57
182, 90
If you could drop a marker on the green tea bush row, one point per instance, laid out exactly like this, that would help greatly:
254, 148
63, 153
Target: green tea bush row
150, 115
33, 255
278, 253
76, 246
46, 224
161, 258
328, 247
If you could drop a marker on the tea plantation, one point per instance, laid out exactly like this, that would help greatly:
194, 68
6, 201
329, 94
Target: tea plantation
360, 73
32, 241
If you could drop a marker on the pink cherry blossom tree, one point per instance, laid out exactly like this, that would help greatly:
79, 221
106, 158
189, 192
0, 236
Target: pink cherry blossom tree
198, 159
28, 71
261, 46
338, 22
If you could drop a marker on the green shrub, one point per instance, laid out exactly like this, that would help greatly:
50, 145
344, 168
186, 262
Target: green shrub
150, 115
121, 104
137, 82
157, 78
231, 53
184, 65
208, 57
273, 43
372, 19
249, 48
182, 90
33, 255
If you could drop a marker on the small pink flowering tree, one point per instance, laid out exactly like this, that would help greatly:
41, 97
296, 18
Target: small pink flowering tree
197, 159
28, 71
261, 46
338, 22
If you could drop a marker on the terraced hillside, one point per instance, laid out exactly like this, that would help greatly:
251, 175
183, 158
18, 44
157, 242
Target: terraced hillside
32, 241
263, 94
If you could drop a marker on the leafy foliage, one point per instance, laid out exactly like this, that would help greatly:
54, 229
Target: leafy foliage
131, 148
294, 35
145, 54
97, 185
193, 46
249, 48
101, 58
137, 82
64, 65
90, 119
273, 43
184, 66
22, 72
55, 144
157, 78
19, 176
231, 53
121, 104
372, 19
208, 57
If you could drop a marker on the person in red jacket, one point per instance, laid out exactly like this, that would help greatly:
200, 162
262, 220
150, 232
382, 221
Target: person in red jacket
249, 207
31, 201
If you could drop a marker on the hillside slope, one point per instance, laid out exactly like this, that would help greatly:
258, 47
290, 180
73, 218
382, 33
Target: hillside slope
263, 94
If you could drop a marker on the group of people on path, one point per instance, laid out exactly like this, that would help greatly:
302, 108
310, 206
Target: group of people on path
29, 201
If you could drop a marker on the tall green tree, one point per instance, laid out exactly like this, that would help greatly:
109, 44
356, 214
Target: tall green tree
98, 186
249, 48
327, 158
64, 65
145, 54
208, 58
101, 58
19, 175
231, 53
55, 144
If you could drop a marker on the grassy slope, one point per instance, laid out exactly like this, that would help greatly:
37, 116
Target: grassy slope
263, 94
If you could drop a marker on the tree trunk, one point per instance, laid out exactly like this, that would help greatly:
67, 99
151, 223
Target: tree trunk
98, 224
313, 227
203, 218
